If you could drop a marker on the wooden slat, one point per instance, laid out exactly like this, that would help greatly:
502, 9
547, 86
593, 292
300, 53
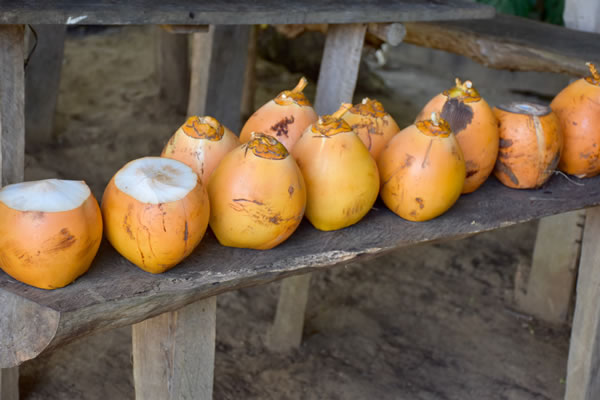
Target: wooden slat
42, 80
514, 43
173, 68
583, 373
233, 12
116, 293
174, 353
9, 384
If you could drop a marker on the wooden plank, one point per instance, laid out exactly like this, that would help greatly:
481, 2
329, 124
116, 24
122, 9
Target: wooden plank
554, 267
509, 42
233, 12
392, 34
173, 68
249, 90
582, 15
220, 54
583, 373
115, 293
12, 93
174, 353
9, 384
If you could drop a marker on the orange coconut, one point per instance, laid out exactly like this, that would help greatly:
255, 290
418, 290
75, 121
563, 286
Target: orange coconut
530, 144
372, 124
257, 195
201, 143
341, 176
578, 109
473, 123
285, 117
50, 231
422, 170
155, 212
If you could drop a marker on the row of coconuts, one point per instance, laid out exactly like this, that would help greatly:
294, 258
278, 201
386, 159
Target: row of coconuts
289, 163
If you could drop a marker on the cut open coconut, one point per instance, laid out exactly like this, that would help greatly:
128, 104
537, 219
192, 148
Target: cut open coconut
155, 212
50, 231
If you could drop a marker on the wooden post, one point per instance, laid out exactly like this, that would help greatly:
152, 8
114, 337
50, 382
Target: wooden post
12, 142
42, 81
249, 90
218, 63
173, 69
337, 80
174, 353
583, 371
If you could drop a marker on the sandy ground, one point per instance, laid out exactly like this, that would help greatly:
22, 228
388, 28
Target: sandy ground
430, 322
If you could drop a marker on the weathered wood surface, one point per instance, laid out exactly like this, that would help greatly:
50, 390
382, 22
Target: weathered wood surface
514, 43
115, 293
218, 68
9, 384
42, 80
553, 268
582, 15
233, 12
174, 353
583, 371
173, 68
12, 102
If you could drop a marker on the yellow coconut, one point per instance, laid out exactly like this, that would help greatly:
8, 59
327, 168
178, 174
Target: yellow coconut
50, 231
257, 195
422, 170
201, 143
155, 212
341, 176
285, 117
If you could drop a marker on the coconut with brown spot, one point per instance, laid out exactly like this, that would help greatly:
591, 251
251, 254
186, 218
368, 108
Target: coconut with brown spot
474, 125
530, 144
285, 117
422, 170
50, 231
341, 176
155, 212
201, 143
257, 195
578, 109
372, 124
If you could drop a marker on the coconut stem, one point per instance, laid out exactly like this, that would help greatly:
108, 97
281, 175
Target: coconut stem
458, 82
300, 86
342, 110
593, 71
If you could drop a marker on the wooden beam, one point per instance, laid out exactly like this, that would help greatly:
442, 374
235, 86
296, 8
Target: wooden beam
249, 90
42, 81
220, 54
9, 383
173, 69
551, 281
174, 353
392, 34
184, 29
583, 372
337, 80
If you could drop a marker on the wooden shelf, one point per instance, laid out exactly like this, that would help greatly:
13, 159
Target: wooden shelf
228, 12
116, 293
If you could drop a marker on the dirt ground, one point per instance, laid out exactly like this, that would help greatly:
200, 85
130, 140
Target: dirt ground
430, 322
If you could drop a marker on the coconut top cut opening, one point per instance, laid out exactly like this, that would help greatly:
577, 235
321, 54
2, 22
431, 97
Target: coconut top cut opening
49, 195
156, 180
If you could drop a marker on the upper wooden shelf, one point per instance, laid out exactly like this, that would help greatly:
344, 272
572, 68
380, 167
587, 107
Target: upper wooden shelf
229, 12
116, 293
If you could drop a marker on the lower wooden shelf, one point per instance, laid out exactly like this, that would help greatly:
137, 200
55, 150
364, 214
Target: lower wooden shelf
116, 293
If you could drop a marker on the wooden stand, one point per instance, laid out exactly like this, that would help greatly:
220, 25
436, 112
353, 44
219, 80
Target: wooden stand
173, 68
9, 383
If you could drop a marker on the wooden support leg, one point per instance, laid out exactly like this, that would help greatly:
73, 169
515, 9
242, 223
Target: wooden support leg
337, 80
12, 142
219, 59
173, 68
583, 371
554, 267
174, 353
42, 80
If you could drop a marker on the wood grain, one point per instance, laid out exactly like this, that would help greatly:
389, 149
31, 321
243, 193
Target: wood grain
583, 377
9, 383
174, 353
173, 68
513, 43
42, 80
233, 12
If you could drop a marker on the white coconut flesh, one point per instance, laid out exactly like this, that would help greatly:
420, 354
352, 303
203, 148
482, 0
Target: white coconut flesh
49, 195
156, 180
